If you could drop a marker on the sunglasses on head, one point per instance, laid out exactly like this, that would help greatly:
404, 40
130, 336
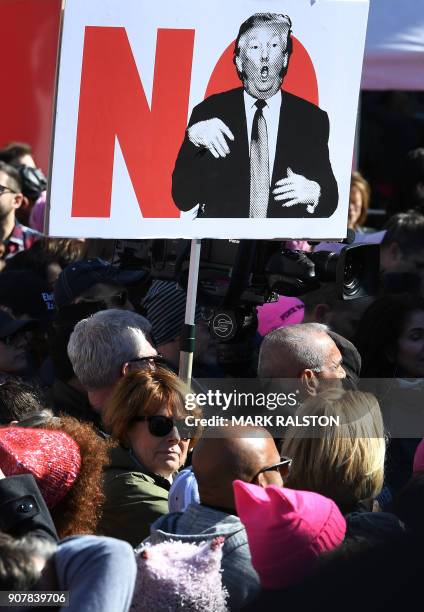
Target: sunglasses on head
160, 426
282, 466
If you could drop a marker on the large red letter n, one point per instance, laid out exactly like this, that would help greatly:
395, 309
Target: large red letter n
113, 104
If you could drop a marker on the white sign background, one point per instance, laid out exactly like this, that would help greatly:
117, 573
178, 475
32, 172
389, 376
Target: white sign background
333, 33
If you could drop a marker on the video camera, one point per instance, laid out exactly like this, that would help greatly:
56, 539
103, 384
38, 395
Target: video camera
235, 276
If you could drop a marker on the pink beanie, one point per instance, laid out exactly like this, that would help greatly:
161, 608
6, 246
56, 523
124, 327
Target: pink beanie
419, 458
52, 457
175, 575
286, 311
287, 530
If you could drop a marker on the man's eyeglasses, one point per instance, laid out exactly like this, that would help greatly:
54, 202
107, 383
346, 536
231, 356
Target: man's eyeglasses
160, 426
282, 466
4, 189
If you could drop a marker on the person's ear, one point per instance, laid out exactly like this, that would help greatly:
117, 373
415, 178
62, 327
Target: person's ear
285, 61
126, 368
321, 313
310, 381
19, 199
239, 63
262, 480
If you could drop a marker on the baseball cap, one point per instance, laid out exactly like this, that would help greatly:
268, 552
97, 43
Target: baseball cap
81, 275
351, 358
26, 293
9, 325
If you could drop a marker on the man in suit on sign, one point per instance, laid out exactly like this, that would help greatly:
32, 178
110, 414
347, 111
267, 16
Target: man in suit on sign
257, 151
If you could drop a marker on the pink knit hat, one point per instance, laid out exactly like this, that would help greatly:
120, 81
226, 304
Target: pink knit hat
419, 458
286, 311
175, 575
52, 457
287, 530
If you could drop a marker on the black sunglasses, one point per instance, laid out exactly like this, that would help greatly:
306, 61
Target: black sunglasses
282, 466
4, 189
160, 426
149, 360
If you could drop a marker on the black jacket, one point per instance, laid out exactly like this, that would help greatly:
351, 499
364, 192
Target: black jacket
222, 186
23, 509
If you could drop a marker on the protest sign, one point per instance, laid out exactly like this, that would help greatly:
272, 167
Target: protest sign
158, 132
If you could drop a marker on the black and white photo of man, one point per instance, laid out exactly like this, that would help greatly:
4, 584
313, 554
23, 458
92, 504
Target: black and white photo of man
257, 151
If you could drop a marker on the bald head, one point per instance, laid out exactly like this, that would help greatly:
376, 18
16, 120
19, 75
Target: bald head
217, 462
288, 351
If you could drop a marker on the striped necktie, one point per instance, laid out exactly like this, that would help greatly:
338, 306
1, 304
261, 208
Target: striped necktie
259, 164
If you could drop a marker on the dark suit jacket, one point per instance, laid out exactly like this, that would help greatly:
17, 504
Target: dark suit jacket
222, 185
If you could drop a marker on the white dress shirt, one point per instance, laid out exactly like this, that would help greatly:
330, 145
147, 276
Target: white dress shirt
271, 112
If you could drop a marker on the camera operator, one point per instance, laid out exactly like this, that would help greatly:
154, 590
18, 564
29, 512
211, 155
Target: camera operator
324, 306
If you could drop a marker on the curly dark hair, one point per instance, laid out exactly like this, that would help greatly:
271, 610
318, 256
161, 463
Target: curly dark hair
78, 513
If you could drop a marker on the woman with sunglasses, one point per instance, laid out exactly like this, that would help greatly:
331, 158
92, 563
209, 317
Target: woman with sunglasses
145, 415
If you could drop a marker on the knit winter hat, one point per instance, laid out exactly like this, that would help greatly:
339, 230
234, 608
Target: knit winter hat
52, 457
287, 530
175, 575
419, 458
164, 306
286, 311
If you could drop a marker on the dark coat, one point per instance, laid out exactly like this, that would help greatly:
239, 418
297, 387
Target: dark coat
135, 498
222, 186
23, 509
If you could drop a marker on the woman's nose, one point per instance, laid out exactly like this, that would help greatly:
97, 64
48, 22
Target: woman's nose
174, 434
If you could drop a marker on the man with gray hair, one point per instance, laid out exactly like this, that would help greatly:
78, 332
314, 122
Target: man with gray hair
304, 351
106, 346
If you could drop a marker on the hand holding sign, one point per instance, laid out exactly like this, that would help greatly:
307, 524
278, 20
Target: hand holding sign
297, 189
210, 134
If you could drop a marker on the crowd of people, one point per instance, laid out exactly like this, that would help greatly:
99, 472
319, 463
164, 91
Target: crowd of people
106, 493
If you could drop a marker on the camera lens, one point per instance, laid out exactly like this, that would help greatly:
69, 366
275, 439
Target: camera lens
352, 275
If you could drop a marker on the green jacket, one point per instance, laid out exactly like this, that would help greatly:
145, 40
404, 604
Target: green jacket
135, 498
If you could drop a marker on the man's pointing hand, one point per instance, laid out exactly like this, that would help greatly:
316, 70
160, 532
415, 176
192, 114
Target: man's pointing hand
211, 134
